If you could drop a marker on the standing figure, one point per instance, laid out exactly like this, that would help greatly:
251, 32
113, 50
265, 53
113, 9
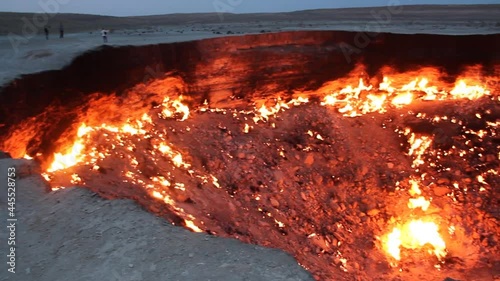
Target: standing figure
46, 30
104, 34
61, 30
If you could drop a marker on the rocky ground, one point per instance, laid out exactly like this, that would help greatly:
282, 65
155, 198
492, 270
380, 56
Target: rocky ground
319, 185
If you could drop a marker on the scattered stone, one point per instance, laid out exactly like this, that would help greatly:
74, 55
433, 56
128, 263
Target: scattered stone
443, 181
309, 160
317, 178
250, 157
364, 170
263, 223
390, 165
441, 190
321, 243
490, 158
241, 155
275, 203
373, 212
303, 196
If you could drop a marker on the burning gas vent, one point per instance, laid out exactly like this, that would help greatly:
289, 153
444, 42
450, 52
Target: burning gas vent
384, 165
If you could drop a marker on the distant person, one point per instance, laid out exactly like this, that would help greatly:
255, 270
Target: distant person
104, 34
61, 30
46, 30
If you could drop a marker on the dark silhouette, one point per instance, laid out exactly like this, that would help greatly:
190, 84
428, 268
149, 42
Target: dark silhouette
61, 30
104, 34
46, 30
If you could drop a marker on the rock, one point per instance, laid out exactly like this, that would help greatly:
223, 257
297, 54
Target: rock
373, 212
275, 203
278, 175
443, 181
241, 155
321, 243
303, 196
309, 160
357, 266
441, 190
4, 155
231, 206
450, 279
390, 165
263, 223
364, 170
250, 157
317, 178
490, 158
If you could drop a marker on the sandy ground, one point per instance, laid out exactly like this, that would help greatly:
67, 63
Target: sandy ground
72, 234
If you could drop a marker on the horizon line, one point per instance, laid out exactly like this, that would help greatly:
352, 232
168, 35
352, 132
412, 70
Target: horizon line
250, 13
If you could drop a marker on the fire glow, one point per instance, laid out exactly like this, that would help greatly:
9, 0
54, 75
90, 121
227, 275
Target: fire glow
415, 235
98, 140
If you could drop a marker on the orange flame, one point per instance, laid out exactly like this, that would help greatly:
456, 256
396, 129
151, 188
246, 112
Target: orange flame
413, 235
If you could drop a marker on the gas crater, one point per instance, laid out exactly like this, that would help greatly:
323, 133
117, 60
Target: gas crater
375, 164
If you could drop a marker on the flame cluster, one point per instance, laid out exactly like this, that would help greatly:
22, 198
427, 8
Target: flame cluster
415, 233
120, 141
366, 97
363, 99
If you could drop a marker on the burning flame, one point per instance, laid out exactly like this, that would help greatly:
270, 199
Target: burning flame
73, 155
172, 107
352, 96
414, 235
363, 99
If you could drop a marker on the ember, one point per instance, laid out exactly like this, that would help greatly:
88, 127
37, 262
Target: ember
358, 174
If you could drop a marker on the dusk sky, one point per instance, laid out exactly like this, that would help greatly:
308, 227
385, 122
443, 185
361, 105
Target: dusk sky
150, 7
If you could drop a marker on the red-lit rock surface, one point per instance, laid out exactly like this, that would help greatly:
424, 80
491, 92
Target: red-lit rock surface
325, 201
